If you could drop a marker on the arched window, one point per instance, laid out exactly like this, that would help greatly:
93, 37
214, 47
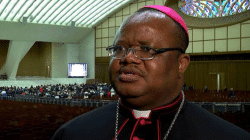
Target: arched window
213, 8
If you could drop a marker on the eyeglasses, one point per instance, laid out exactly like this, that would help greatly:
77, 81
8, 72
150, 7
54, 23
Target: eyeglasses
142, 52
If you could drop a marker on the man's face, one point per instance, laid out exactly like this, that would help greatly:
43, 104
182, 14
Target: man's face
144, 84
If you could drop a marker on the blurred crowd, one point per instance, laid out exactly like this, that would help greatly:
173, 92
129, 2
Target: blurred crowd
61, 90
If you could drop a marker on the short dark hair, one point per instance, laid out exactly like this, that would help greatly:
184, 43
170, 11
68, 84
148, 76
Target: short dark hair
181, 33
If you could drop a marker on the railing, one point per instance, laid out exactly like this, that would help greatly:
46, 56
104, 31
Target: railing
60, 101
213, 107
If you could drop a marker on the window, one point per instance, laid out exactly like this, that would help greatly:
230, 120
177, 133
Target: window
213, 8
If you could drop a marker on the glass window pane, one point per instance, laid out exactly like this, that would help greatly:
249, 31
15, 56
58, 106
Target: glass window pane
221, 45
98, 52
209, 46
198, 47
233, 44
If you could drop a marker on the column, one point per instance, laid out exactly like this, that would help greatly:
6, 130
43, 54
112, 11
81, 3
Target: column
16, 51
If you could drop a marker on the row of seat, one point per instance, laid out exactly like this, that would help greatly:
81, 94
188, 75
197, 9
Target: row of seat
27, 120
214, 96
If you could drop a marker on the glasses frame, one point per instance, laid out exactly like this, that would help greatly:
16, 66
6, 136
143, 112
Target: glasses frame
156, 51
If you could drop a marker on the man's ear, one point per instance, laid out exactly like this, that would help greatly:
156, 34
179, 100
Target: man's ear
184, 60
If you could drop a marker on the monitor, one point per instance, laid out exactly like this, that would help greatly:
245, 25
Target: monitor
77, 70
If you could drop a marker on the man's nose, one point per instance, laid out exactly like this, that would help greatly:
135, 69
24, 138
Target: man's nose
130, 51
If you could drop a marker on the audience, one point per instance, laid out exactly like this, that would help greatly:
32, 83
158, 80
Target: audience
60, 91
101, 90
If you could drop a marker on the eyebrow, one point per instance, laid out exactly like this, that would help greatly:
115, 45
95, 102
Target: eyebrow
144, 42
125, 42
140, 42
121, 41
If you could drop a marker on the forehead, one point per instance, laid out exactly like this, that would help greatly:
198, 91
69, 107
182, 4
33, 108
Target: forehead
146, 28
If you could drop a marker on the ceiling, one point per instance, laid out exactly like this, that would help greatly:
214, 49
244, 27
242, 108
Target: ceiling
77, 13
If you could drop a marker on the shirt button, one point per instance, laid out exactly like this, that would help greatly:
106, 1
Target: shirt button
136, 138
144, 122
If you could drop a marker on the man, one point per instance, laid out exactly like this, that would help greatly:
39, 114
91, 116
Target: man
205, 89
41, 89
231, 92
8, 92
3, 92
146, 71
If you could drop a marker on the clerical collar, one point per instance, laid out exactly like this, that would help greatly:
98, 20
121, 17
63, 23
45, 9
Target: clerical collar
141, 114
167, 108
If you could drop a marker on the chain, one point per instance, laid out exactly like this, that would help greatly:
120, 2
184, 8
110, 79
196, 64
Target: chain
117, 115
175, 117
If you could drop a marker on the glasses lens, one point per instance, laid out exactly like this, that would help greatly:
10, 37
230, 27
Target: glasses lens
144, 52
117, 51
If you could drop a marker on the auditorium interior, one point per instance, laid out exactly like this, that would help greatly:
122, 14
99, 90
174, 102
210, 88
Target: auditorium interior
38, 40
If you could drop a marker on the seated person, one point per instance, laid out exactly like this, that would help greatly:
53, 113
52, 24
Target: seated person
231, 93
225, 89
205, 89
4, 93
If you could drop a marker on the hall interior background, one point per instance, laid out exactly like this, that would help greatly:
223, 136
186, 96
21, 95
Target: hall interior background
220, 49
213, 50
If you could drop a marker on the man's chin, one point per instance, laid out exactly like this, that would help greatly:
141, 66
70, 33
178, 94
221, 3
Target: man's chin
130, 87
133, 102
129, 90
128, 96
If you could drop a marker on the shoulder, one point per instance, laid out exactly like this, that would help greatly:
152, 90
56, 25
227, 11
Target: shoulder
204, 123
91, 125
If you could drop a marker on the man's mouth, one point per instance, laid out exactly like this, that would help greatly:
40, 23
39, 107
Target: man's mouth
128, 75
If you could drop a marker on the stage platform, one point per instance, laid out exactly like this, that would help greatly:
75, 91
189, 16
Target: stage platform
35, 81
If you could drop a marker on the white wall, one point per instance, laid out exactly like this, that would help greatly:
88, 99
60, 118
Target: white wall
41, 32
59, 61
69, 80
62, 54
87, 53
72, 53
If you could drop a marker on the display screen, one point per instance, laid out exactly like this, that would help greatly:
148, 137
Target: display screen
77, 70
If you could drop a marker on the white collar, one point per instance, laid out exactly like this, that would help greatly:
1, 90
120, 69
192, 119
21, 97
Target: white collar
140, 114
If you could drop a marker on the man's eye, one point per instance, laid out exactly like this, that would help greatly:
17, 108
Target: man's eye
145, 48
118, 47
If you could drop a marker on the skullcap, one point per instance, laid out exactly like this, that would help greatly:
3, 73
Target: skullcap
171, 13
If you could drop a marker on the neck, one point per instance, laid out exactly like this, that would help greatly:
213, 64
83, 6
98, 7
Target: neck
133, 102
